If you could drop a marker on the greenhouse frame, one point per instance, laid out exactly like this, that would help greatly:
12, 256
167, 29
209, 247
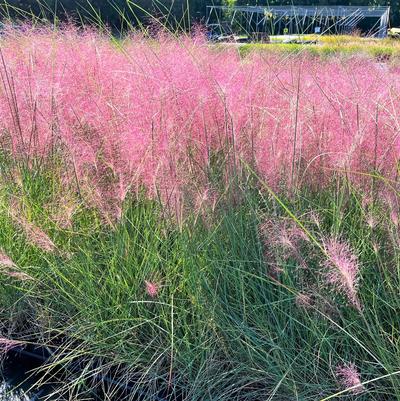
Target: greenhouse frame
275, 20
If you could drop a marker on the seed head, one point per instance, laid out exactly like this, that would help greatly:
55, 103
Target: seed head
5, 260
6, 344
151, 289
10, 269
342, 269
349, 378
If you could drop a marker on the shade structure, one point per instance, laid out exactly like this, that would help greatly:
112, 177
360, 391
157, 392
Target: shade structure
300, 19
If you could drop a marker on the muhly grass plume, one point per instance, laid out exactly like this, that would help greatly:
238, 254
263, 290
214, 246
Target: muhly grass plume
152, 289
394, 217
6, 261
34, 234
163, 115
10, 269
7, 344
371, 221
17, 275
349, 378
304, 300
282, 239
63, 217
342, 269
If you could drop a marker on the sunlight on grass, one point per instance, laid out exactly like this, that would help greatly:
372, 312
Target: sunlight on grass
201, 224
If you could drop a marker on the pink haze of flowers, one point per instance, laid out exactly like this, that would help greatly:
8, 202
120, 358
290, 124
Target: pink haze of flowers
154, 114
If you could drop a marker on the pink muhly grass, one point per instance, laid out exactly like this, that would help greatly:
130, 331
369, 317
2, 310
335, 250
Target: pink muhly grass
349, 378
39, 238
152, 118
282, 239
63, 215
342, 269
283, 233
304, 300
7, 344
18, 275
315, 219
371, 221
5, 261
10, 269
366, 202
35, 235
152, 289
394, 217
204, 206
287, 234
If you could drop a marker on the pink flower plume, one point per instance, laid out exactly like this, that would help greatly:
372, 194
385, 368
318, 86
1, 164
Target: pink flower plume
342, 269
7, 344
151, 289
349, 378
10, 269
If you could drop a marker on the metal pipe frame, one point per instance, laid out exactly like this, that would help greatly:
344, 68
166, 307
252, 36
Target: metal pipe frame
347, 17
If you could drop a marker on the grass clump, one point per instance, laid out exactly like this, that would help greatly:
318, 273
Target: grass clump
205, 226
